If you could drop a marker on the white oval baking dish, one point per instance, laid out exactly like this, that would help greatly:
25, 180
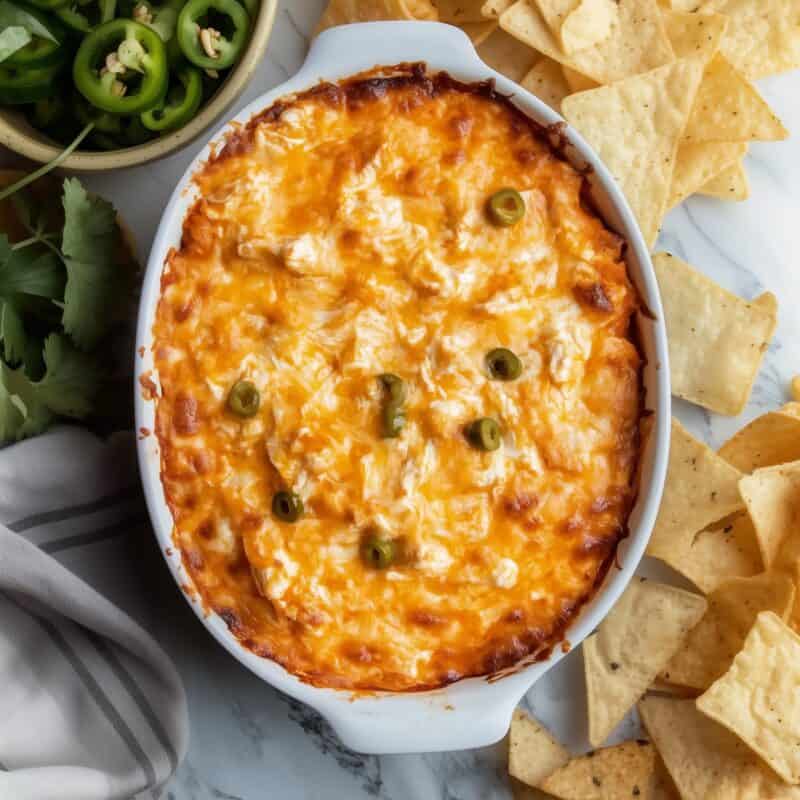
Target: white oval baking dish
475, 711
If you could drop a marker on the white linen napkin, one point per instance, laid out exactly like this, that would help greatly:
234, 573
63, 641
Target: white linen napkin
91, 708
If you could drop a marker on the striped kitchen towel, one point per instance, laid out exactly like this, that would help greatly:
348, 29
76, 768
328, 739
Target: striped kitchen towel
91, 708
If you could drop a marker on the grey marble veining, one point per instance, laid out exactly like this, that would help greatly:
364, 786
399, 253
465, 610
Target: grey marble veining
251, 743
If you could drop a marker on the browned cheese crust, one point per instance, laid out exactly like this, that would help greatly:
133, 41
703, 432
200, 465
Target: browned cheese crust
342, 234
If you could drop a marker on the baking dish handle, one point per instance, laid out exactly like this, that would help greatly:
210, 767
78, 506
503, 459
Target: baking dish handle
459, 717
347, 49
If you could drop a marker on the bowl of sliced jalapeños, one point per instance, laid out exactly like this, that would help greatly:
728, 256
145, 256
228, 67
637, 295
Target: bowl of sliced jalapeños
122, 82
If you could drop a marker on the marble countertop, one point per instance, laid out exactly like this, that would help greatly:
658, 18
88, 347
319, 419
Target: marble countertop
248, 741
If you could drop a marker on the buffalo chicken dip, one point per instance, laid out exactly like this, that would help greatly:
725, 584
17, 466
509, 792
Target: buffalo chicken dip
399, 397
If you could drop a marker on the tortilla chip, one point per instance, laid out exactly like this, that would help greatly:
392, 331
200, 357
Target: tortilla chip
467, 15
695, 34
665, 786
725, 549
682, 5
479, 32
733, 606
492, 9
546, 81
634, 125
706, 761
730, 184
420, 9
763, 37
576, 81
578, 24
699, 162
457, 12
728, 108
701, 488
716, 339
591, 22
768, 302
624, 770
521, 791
342, 12
533, 752
794, 616
637, 42
507, 55
772, 497
632, 645
555, 12
758, 698
770, 439
660, 686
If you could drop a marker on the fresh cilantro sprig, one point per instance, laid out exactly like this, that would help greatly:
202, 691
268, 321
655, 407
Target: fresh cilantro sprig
67, 388
24, 273
88, 242
62, 287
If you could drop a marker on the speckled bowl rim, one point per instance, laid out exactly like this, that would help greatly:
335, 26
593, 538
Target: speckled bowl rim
18, 135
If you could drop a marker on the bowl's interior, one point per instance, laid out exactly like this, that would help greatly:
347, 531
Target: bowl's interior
19, 135
336, 54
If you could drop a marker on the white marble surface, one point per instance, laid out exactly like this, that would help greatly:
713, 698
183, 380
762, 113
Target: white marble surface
249, 742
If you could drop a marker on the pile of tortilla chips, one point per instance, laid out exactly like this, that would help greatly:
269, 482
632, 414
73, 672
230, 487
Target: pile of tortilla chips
660, 88
715, 675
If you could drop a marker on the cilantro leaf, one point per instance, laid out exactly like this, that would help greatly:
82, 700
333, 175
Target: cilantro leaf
40, 275
14, 15
70, 382
89, 225
12, 416
34, 358
22, 414
91, 293
38, 418
12, 332
29, 271
36, 219
71, 378
23, 273
13, 38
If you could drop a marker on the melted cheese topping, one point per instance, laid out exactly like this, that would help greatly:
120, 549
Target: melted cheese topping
343, 235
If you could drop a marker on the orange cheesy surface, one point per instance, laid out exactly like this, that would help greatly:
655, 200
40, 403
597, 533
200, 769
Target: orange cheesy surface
343, 234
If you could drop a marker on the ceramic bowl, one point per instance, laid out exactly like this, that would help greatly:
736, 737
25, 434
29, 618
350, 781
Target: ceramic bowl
474, 711
17, 134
